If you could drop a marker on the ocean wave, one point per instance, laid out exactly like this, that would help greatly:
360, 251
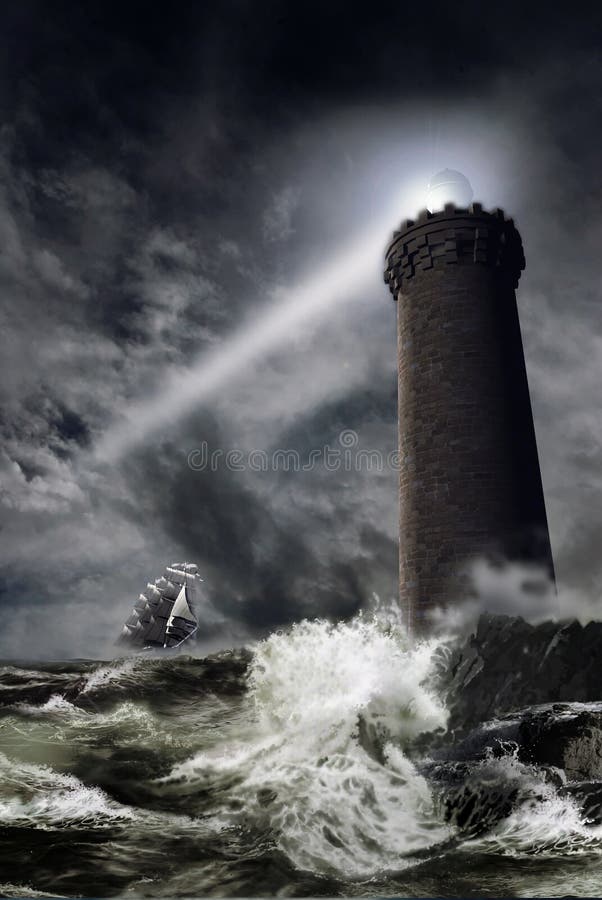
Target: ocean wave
26, 890
57, 706
303, 760
39, 797
541, 822
304, 769
118, 673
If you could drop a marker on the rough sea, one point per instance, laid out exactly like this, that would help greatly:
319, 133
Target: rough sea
289, 771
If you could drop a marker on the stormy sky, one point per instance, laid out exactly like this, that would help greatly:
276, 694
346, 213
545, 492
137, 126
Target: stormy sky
194, 203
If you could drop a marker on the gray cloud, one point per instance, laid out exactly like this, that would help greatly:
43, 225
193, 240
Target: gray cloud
143, 217
278, 217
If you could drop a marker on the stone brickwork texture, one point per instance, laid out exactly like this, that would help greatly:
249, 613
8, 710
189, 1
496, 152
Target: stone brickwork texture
470, 483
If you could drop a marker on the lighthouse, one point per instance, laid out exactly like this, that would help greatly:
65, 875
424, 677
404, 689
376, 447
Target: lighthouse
469, 480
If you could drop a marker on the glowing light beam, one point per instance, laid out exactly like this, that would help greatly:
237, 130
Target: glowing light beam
352, 268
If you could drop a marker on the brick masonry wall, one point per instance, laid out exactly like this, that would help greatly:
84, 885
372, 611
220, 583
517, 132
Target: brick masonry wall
469, 477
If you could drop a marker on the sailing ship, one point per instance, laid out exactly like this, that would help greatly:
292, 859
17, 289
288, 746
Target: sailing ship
164, 614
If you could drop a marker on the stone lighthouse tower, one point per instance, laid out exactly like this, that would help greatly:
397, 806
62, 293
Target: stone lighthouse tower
470, 484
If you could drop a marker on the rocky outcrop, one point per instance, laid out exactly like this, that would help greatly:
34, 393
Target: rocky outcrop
517, 759
562, 736
525, 707
567, 736
508, 664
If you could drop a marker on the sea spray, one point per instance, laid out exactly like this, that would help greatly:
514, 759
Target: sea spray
302, 771
317, 677
541, 821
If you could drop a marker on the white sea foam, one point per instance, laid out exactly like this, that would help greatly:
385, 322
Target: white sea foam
25, 890
304, 771
543, 823
129, 723
113, 672
55, 706
40, 797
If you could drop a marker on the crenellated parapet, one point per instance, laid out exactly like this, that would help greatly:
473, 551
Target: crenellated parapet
454, 237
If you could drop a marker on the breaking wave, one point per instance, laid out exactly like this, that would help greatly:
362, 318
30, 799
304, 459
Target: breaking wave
37, 796
121, 674
296, 768
541, 821
323, 764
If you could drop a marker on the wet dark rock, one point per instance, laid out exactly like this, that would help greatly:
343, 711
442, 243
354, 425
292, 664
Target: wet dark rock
508, 664
525, 707
588, 795
514, 759
371, 739
471, 795
491, 738
567, 736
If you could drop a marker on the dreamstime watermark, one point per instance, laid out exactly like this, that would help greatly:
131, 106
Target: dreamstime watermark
346, 457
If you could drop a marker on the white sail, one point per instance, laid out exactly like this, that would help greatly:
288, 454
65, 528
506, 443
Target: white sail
182, 623
181, 609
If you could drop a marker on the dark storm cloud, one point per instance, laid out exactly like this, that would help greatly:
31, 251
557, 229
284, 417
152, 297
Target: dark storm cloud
161, 176
279, 544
